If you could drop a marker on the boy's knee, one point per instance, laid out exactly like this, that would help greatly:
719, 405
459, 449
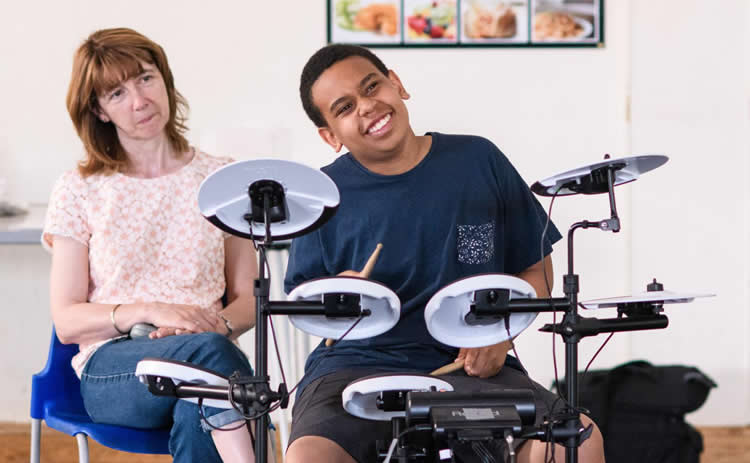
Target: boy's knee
594, 445
325, 450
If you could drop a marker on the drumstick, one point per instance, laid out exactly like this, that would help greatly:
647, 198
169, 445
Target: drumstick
450, 368
367, 269
365, 273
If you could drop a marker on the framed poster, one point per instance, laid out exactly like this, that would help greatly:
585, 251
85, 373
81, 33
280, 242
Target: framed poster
374, 22
466, 23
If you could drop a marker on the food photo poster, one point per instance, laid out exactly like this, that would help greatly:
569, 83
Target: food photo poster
466, 23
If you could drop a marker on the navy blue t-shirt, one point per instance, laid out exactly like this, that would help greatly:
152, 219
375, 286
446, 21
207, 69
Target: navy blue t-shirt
463, 210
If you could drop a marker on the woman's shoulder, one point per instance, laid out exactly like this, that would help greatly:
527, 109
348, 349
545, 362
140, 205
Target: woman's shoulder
207, 163
74, 180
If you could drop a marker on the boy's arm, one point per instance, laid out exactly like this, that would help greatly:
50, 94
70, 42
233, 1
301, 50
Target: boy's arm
485, 362
534, 275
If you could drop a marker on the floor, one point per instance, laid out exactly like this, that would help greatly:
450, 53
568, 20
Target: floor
722, 445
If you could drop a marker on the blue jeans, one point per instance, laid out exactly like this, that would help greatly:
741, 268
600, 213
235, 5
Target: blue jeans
113, 394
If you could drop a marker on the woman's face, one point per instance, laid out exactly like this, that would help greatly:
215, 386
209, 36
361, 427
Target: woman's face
138, 107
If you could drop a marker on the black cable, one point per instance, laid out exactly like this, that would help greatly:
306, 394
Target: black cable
329, 350
276, 346
549, 448
597, 352
528, 379
262, 250
289, 393
546, 281
619, 315
205, 420
252, 437
550, 445
418, 427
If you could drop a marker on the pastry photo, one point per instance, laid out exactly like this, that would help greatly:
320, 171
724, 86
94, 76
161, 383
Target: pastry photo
492, 21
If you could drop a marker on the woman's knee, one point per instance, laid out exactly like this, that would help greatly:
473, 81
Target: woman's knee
217, 353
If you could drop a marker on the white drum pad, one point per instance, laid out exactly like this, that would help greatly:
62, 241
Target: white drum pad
359, 397
383, 304
183, 372
311, 197
633, 167
656, 297
446, 311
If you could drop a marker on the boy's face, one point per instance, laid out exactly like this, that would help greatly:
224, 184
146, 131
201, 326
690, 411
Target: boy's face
364, 109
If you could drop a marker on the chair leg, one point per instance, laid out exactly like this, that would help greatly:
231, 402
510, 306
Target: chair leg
36, 437
83, 448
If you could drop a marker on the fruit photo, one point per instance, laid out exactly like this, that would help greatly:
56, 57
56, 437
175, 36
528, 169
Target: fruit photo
430, 21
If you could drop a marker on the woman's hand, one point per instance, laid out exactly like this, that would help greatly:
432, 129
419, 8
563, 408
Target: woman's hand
164, 331
176, 319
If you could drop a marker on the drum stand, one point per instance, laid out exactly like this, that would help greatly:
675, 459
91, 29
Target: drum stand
271, 195
253, 195
225, 207
574, 327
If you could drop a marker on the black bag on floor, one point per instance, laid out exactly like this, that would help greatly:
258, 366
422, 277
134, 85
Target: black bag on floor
640, 409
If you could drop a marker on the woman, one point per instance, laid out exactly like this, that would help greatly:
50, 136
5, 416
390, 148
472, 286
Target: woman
129, 246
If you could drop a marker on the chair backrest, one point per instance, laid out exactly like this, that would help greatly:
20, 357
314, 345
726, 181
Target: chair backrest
57, 382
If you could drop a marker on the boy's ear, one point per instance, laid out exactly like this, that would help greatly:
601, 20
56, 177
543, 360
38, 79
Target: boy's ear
328, 136
397, 82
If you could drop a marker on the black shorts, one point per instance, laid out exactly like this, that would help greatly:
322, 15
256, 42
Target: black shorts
318, 411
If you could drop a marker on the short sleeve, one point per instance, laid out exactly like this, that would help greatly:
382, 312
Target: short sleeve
212, 164
528, 238
66, 212
305, 261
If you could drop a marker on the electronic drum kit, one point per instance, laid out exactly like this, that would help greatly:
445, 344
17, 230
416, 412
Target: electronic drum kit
267, 200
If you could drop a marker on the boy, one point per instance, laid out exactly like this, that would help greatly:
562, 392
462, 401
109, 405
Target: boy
445, 207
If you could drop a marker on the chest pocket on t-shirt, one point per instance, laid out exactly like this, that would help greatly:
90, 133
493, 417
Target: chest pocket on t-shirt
476, 243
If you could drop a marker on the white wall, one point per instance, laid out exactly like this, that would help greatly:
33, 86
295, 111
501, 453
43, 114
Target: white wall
688, 101
549, 109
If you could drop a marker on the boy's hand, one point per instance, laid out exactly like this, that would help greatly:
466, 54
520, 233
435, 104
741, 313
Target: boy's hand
484, 362
351, 273
367, 269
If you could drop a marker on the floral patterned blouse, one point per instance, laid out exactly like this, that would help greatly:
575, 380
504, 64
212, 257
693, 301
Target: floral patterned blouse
147, 239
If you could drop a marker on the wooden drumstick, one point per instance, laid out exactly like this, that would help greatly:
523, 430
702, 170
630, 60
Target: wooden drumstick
450, 368
365, 273
367, 269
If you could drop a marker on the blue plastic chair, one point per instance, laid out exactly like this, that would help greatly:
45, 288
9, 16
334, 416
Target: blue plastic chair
56, 399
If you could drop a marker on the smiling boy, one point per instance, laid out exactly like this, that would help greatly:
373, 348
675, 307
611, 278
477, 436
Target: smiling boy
445, 207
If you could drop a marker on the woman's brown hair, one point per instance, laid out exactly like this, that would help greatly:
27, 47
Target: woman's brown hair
107, 58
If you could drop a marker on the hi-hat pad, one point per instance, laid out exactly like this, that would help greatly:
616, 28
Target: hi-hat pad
300, 198
384, 305
445, 313
183, 372
654, 297
360, 397
592, 179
